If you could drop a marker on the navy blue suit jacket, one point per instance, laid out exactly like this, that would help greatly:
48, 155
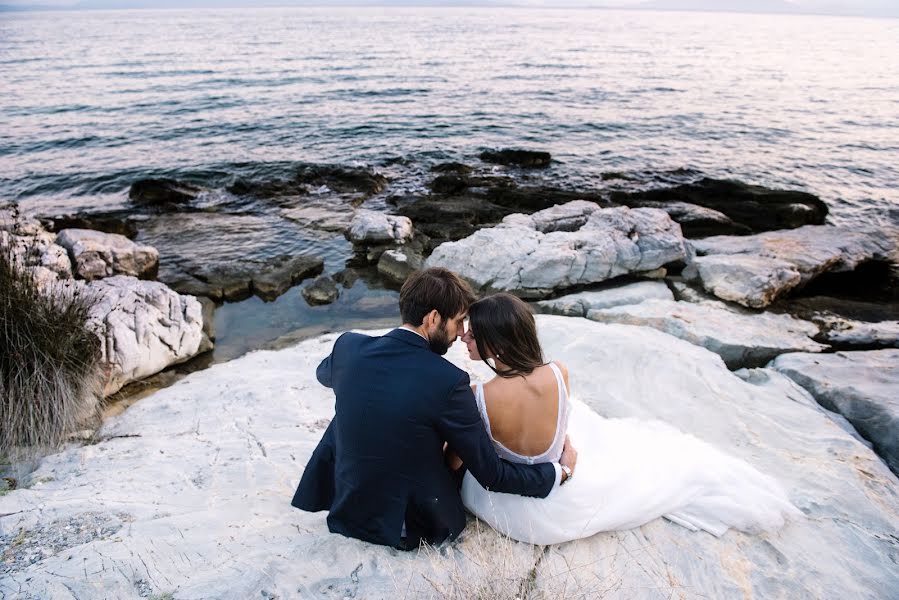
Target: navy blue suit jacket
380, 463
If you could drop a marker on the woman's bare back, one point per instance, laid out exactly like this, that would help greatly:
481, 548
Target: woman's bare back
524, 411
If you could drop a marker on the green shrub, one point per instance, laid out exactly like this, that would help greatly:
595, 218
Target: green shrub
50, 359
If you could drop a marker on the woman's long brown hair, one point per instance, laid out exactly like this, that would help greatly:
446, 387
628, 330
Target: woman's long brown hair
503, 325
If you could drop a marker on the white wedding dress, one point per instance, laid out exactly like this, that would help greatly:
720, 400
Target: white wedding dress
629, 472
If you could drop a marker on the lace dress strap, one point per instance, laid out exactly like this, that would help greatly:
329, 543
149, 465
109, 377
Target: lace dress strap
482, 407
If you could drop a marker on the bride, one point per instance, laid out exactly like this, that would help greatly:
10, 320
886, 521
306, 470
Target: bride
630, 471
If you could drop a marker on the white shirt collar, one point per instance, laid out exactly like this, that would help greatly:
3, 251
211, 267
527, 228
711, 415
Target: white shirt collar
413, 331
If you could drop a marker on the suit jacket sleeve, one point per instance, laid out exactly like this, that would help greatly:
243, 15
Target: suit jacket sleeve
460, 424
323, 372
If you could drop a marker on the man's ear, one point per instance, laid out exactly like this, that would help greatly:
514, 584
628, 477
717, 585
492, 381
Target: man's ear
432, 319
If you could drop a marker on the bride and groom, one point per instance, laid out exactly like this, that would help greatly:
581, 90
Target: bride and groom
412, 444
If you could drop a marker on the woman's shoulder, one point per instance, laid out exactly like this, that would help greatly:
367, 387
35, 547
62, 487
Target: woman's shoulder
564, 370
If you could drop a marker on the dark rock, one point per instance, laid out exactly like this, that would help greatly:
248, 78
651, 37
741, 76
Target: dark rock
272, 188
397, 264
321, 291
519, 158
611, 175
448, 184
752, 206
105, 223
342, 179
278, 277
162, 191
452, 167
449, 219
267, 279
533, 198
347, 278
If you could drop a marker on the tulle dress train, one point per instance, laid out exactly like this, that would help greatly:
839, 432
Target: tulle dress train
629, 472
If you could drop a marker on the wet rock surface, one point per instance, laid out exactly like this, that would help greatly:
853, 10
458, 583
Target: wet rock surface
163, 191
308, 178
862, 386
397, 265
565, 246
233, 281
752, 207
519, 158
323, 290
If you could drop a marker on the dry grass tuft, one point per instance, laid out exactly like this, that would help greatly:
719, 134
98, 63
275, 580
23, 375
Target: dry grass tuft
50, 359
486, 565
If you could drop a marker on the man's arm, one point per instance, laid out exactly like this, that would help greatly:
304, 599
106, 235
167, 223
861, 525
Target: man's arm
461, 425
323, 372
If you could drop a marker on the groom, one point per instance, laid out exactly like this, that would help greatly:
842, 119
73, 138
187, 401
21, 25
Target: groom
379, 468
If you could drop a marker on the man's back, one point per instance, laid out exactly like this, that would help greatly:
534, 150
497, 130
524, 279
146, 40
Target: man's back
383, 447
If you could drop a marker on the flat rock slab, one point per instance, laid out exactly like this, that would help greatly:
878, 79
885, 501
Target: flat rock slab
567, 245
96, 255
755, 270
578, 305
862, 386
187, 493
741, 339
858, 335
268, 278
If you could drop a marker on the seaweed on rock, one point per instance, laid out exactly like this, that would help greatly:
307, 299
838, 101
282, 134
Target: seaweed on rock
50, 359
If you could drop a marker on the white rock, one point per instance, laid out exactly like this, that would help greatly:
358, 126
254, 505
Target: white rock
372, 227
847, 332
755, 270
577, 305
863, 386
742, 339
145, 327
201, 475
96, 254
38, 250
753, 281
564, 246
18, 224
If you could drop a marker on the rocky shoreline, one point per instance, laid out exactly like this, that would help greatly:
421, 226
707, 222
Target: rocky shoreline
726, 264
747, 282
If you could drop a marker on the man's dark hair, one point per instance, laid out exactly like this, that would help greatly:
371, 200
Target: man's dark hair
434, 288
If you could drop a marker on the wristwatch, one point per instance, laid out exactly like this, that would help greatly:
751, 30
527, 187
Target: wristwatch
568, 474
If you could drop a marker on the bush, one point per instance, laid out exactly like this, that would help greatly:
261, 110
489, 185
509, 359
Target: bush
50, 358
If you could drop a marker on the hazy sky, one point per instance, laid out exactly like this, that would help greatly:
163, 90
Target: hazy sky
860, 7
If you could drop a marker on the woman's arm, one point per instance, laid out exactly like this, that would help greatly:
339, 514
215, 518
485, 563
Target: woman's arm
564, 370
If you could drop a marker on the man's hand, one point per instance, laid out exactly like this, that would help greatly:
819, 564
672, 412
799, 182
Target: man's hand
569, 455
